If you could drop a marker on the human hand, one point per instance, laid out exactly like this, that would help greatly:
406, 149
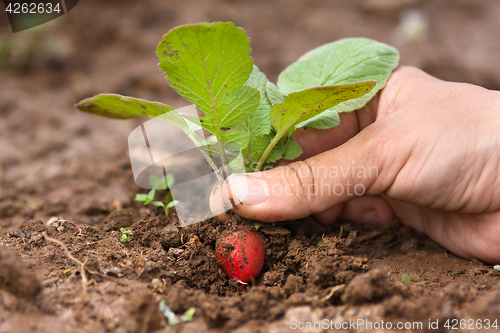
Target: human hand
425, 150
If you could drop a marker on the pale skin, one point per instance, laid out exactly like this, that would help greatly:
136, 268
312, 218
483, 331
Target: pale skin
436, 146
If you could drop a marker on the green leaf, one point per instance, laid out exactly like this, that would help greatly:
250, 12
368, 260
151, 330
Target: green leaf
325, 120
172, 203
258, 124
344, 61
237, 106
157, 204
205, 62
141, 197
170, 180
406, 279
260, 145
169, 314
188, 315
273, 93
292, 150
162, 182
121, 107
238, 137
303, 105
151, 195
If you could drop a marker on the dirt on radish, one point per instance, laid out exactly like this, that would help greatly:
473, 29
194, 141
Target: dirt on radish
55, 161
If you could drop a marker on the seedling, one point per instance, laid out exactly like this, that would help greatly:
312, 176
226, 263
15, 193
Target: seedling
163, 182
209, 65
320, 242
406, 279
126, 235
147, 199
172, 318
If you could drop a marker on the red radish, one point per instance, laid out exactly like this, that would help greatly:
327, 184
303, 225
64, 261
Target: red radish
241, 255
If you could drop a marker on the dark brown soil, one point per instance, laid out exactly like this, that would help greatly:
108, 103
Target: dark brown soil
55, 161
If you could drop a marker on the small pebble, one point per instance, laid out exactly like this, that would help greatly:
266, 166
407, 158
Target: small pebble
175, 251
16, 234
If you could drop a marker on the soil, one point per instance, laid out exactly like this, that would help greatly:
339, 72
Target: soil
56, 161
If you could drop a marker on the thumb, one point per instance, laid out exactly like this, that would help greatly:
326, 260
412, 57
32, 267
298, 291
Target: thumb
358, 167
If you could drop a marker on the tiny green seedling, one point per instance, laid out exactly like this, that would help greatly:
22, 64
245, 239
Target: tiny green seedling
320, 242
157, 183
251, 120
174, 319
162, 183
126, 235
147, 199
406, 279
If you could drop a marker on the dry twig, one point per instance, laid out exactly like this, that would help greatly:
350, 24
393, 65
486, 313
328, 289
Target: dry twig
70, 256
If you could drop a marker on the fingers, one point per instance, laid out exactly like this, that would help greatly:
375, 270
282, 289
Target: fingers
465, 235
367, 209
319, 183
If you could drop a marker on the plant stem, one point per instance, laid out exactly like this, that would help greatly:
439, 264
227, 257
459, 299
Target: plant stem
275, 140
218, 135
270, 147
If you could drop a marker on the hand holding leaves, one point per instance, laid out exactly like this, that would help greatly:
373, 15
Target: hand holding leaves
209, 65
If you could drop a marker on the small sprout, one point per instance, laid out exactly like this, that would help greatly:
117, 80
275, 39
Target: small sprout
163, 183
496, 267
126, 235
420, 283
147, 199
406, 279
256, 226
155, 281
320, 242
188, 315
172, 318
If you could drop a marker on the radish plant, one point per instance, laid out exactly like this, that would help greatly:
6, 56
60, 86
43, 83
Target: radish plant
250, 119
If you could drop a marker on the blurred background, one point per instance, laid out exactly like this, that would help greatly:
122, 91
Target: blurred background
56, 160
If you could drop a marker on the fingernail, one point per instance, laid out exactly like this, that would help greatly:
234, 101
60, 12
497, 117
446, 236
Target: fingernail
249, 190
371, 217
